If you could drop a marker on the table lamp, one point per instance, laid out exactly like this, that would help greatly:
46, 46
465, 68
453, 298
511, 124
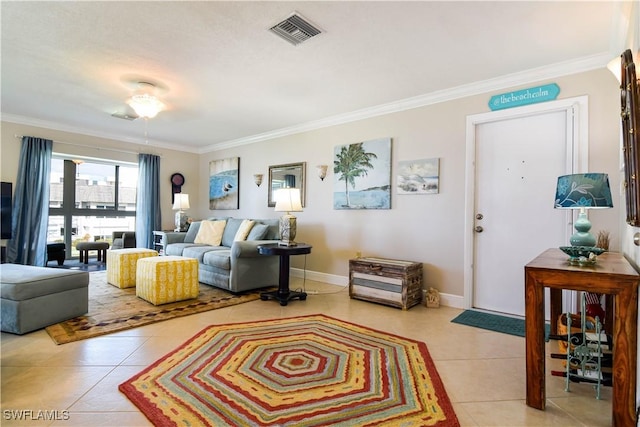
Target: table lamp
180, 203
288, 200
583, 191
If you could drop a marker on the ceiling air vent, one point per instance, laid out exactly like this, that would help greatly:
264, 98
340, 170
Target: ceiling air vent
295, 29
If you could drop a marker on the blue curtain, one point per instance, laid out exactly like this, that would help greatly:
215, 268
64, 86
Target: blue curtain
31, 204
148, 217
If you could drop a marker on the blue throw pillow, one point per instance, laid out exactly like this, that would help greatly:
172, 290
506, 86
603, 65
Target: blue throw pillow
230, 231
258, 232
192, 232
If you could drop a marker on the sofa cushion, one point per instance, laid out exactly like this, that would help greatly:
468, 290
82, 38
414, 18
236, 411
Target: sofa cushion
178, 248
211, 232
244, 229
220, 259
198, 252
258, 232
232, 227
22, 282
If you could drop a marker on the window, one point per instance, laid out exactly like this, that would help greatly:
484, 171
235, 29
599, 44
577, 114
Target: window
89, 200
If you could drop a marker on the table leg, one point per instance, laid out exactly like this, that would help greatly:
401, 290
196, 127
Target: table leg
534, 336
624, 364
283, 294
283, 279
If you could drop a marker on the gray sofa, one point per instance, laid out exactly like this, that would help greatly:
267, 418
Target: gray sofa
235, 266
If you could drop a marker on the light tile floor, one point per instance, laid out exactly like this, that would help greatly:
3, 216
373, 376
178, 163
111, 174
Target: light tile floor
483, 372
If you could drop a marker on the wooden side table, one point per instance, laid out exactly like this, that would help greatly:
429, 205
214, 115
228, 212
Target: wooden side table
283, 294
612, 275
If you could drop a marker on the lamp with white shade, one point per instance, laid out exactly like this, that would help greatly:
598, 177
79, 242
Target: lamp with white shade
180, 203
288, 200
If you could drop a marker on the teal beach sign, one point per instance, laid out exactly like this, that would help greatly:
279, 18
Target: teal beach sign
522, 97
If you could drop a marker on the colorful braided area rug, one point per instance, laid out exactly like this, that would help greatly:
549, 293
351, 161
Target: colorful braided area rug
112, 309
303, 371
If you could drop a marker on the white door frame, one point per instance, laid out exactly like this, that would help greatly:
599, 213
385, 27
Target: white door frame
577, 161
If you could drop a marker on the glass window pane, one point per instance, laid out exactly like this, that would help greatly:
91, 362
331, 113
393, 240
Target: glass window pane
55, 229
128, 182
56, 182
94, 228
95, 185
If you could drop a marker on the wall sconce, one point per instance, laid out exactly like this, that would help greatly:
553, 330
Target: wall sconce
322, 171
257, 178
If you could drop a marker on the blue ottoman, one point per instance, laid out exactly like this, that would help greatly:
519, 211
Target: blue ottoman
35, 297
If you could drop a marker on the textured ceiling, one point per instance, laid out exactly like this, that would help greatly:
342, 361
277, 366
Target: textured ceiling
226, 79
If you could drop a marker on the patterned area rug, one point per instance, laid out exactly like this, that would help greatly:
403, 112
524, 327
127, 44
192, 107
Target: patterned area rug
112, 309
303, 371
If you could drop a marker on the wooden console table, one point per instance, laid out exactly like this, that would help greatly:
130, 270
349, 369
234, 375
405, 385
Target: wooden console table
612, 275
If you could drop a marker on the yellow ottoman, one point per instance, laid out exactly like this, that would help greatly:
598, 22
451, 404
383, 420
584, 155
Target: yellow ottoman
164, 279
121, 265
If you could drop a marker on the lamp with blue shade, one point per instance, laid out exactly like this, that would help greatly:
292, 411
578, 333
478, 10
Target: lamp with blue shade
583, 191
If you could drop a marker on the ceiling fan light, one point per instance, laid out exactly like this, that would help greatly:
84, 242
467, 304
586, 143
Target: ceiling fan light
145, 105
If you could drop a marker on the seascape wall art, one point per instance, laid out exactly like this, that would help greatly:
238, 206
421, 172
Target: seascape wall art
418, 176
224, 190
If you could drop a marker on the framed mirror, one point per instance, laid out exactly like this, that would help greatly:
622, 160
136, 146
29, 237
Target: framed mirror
291, 175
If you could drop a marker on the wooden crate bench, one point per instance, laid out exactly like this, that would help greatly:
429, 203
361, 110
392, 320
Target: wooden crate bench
386, 281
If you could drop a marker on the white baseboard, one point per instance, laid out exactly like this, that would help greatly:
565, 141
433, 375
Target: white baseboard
453, 301
446, 300
332, 279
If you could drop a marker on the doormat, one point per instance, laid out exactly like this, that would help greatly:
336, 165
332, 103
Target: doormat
494, 322
112, 309
304, 371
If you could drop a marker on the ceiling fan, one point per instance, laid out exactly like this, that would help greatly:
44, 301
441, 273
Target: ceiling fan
142, 104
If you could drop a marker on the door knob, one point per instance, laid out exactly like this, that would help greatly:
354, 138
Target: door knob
479, 229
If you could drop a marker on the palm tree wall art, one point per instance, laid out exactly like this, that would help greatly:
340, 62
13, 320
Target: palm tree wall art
362, 175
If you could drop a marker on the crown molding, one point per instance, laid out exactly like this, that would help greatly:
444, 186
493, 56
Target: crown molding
29, 121
499, 83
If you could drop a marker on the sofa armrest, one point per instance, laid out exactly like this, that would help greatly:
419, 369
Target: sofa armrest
248, 248
173, 237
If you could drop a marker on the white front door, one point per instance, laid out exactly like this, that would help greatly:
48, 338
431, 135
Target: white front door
517, 160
